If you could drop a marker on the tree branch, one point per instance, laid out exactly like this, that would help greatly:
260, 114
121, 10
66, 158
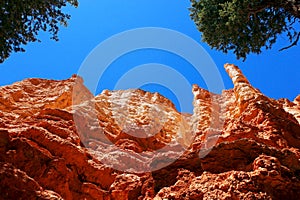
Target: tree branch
293, 44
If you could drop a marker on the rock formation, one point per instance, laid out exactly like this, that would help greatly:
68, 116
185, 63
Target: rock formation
58, 141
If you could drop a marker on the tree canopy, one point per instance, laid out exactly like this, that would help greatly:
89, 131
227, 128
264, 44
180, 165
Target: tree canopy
21, 20
246, 26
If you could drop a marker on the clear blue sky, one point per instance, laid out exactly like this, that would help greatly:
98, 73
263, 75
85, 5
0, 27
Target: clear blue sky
276, 74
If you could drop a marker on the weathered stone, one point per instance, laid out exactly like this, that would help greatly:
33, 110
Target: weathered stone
57, 141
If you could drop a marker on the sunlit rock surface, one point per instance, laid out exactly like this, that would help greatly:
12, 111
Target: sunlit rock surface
58, 141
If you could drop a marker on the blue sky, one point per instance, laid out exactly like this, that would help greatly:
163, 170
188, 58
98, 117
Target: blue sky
275, 73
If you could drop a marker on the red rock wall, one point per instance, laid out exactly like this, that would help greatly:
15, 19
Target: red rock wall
57, 141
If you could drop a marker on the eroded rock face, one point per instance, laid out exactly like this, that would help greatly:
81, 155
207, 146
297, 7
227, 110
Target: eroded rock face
58, 141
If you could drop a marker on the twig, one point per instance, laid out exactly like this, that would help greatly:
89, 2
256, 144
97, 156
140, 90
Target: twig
293, 44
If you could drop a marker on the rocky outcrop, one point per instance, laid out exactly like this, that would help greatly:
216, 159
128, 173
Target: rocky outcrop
58, 141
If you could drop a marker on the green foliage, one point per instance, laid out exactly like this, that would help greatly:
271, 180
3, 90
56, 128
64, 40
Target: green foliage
21, 20
243, 26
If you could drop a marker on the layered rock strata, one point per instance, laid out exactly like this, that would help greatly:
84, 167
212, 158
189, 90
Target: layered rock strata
58, 141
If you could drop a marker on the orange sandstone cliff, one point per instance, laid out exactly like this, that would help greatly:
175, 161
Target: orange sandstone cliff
58, 141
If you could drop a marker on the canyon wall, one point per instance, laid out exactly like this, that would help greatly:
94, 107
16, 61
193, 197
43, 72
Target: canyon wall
58, 141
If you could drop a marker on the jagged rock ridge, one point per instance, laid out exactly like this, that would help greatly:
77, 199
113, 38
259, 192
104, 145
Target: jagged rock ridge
58, 141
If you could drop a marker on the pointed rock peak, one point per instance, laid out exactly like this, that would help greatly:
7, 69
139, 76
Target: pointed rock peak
243, 90
235, 74
297, 100
200, 93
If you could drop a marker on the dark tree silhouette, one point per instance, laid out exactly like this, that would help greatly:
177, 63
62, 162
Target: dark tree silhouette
21, 20
245, 26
